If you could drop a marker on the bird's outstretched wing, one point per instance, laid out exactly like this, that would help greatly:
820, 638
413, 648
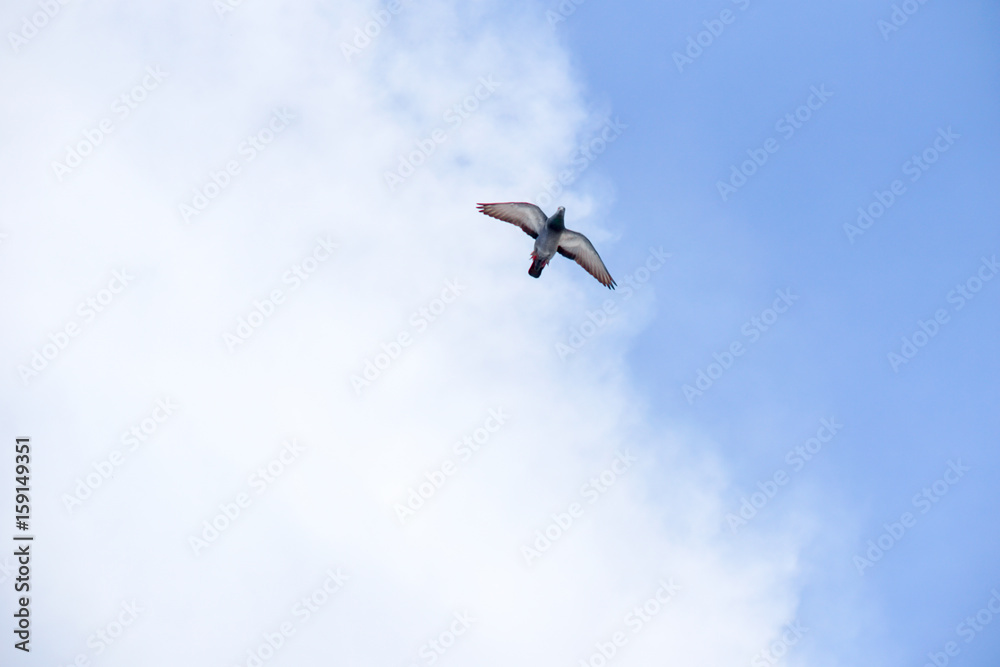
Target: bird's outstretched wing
578, 247
526, 216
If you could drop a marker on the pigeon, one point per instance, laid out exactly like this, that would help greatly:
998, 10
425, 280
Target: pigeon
551, 236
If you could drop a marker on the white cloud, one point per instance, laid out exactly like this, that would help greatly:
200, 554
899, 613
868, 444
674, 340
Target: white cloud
332, 506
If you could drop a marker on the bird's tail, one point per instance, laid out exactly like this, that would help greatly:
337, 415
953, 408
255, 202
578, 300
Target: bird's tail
536, 267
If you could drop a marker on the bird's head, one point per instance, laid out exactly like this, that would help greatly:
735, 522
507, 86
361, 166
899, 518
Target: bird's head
558, 219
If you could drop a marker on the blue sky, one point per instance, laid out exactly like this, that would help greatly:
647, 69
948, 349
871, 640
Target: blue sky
349, 391
784, 228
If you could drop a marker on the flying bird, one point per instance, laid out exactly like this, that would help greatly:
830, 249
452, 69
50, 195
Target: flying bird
551, 236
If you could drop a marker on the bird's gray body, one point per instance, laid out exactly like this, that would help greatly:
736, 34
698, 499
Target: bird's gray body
547, 243
551, 237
